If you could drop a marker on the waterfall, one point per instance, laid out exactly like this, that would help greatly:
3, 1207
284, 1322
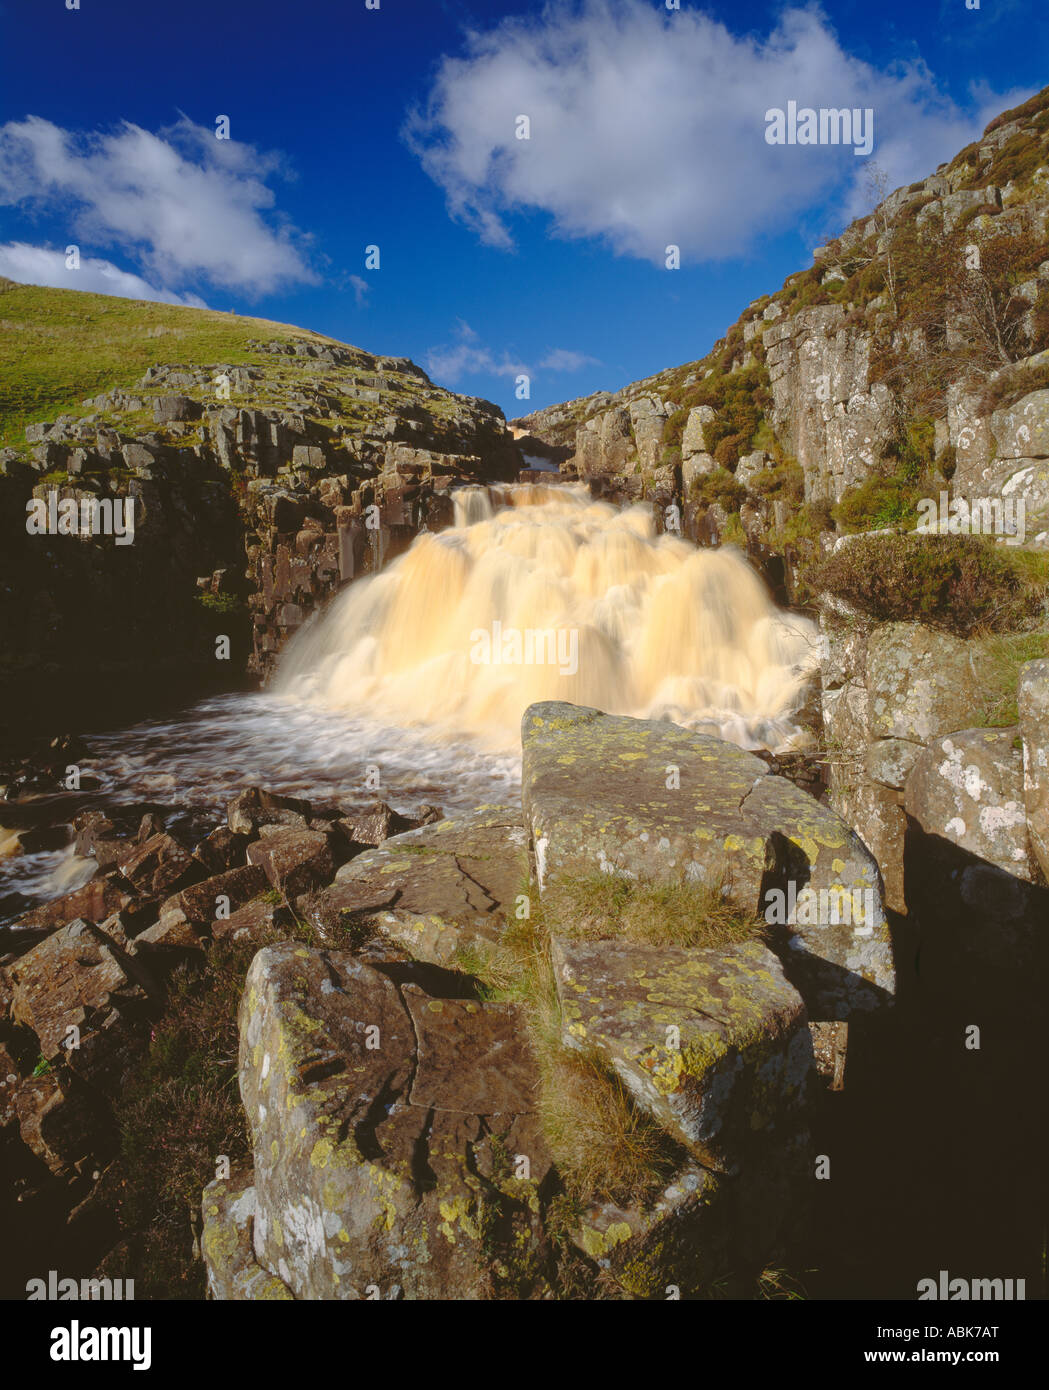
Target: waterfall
540, 593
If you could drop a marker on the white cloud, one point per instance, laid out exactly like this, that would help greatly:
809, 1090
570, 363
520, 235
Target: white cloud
467, 355
360, 289
38, 265
648, 126
566, 360
186, 205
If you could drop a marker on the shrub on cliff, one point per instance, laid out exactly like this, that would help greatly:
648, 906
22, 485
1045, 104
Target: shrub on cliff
719, 486
786, 481
877, 503
958, 583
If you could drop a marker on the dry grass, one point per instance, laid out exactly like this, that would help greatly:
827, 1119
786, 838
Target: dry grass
603, 906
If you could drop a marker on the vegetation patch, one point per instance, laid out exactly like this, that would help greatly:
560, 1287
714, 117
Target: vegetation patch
601, 907
998, 659
961, 584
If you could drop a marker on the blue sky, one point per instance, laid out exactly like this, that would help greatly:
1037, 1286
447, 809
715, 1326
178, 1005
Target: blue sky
396, 127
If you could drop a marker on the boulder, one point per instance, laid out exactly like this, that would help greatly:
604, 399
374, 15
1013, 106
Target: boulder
650, 800
167, 409
434, 890
295, 861
920, 683
256, 921
255, 807
374, 824
95, 901
714, 1044
77, 978
158, 865
222, 893
380, 1159
1033, 703
221, 850
693, 438
968, 788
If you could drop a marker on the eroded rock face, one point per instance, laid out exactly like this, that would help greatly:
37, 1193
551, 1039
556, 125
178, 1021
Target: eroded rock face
381, 1147
713, 1044
920, 683
596, 799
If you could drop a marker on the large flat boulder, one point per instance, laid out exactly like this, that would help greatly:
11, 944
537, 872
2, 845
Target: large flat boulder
712, 1043
649, 800
387, 1152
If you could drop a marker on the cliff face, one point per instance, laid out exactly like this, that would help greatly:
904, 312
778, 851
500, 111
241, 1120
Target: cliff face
257, 490
919, 335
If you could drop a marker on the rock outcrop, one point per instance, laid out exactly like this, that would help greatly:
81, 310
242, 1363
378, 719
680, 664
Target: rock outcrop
258, 490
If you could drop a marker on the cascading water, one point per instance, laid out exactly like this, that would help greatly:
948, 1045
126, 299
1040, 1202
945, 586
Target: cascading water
423, 672
552, 596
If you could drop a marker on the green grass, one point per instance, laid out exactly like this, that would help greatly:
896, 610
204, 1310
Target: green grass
59, 347
998, 659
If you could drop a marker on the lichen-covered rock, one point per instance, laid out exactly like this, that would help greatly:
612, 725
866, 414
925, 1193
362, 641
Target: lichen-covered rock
875, 812
432, 890
1033, 703
712, 1043
678, 1241
920, 683
359, 1184
227, 1227
1022, 430
890, 761
650, 800
77, 979
968, 788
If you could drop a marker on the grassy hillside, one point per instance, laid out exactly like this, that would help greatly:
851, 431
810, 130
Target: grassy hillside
58, 347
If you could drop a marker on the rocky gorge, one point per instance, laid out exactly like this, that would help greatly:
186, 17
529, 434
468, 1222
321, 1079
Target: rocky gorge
549, 1043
